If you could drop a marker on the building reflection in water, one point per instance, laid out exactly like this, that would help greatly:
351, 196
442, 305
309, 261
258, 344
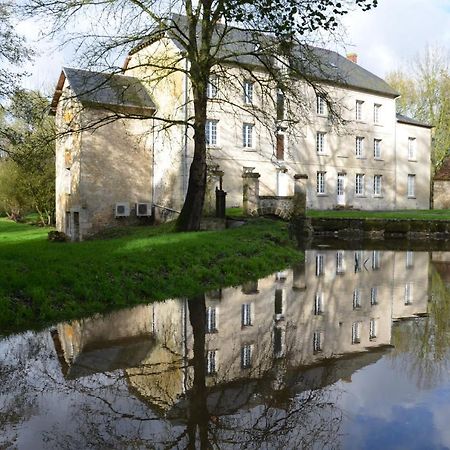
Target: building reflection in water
263, 343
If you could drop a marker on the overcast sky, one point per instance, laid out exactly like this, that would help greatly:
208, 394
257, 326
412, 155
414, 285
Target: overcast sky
384, 38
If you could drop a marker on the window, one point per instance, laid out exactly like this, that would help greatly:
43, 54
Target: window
359, 184
376, 113
412, 148
211, 319
280, 147
376, 260
340, 263
280, 104
247, 135
358, 110
358, 261
374, 296
411, 185
246, 356
211, 356
211, 132
320, 187
278, 342
356, 332
377, 185
248, 92
359, 150
409, 259
317, 341
357, 298
211, 87
278, 304
320, 142
377, 148
318, 304
372, 329
246, 317
320, 262
408, 293
321, 105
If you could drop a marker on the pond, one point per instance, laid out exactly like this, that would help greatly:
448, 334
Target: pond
347, 350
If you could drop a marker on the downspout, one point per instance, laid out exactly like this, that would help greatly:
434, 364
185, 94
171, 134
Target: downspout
395, 154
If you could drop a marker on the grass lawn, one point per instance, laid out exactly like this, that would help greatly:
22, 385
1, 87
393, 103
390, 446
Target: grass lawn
43, 282
419, 214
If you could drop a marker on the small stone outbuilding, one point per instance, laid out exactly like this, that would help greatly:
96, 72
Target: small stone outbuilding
441, 186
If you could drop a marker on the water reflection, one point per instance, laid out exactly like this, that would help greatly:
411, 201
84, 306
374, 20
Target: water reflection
260, 365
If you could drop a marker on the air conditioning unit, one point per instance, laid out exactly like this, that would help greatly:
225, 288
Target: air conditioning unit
122, 209
143, 209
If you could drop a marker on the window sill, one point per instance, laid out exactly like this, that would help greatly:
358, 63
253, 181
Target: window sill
378, 196
378, 159
249, 149
342, 156
325, 116
378, 124
360, 196
360, 157
322, 195
323, 154
412, 197
214, 147
412, 160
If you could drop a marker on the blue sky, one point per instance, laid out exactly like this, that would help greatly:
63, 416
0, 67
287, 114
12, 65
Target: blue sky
384, 38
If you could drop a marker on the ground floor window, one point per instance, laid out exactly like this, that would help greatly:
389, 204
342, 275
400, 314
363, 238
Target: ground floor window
411, 185
320, 187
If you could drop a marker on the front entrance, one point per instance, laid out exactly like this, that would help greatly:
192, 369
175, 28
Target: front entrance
341, 189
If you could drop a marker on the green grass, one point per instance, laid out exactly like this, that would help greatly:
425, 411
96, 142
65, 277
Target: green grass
43, 282
418, 214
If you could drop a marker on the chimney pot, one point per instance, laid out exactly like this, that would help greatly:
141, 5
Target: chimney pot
353, 57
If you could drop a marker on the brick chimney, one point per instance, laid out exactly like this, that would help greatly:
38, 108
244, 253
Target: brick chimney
353, 57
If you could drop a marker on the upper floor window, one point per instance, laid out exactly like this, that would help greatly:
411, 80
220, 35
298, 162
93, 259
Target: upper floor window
211, 87
373, 329
320, 187
211, 319
359, 184
318, 303
318, 341
359, 110
374, 296
321, 105
409, 259
246, 356
408, 293
280, 146
377, 148
247, 135
248, 92
280, 104
358, 261
320, 264
356, 332
377, 185
411, 188
340, 262
246, 315
411, 148
211, 362
211, 132
359, 149
376, 113
357, 298
320, 142
376, 260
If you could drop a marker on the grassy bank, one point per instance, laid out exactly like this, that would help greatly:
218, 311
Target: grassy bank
43, 282
418, 214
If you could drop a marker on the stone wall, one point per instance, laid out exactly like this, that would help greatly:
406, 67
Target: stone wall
441, 195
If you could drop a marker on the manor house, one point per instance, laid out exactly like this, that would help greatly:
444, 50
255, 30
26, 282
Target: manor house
124, 149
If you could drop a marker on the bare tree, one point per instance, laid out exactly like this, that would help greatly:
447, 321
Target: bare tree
263, 39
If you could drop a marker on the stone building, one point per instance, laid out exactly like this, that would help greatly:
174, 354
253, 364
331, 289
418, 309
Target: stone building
375, 160
441, 186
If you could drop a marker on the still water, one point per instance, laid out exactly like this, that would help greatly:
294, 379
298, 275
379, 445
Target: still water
348, 350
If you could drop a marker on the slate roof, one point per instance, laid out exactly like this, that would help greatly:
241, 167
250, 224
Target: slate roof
410, 121
443, 173
109, 91
319, 64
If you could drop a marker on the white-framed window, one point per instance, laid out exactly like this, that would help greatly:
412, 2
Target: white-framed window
359, 147
248, 92
211, 319
211, 362
376, 260
411, 148
246, 315
318, 341
359, 184
279, 303
320, 264
409, 259
278, 344
376, 113
377, 185
320, 186
340, 262
408, 293
374, 296
358, 261
211, 87
377, 148
246, 356
280, 104
320, 142
411, 188
247, 135
356, 298
211, 132
359, 110
373, 329
318, 304
321, 105
356, 332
